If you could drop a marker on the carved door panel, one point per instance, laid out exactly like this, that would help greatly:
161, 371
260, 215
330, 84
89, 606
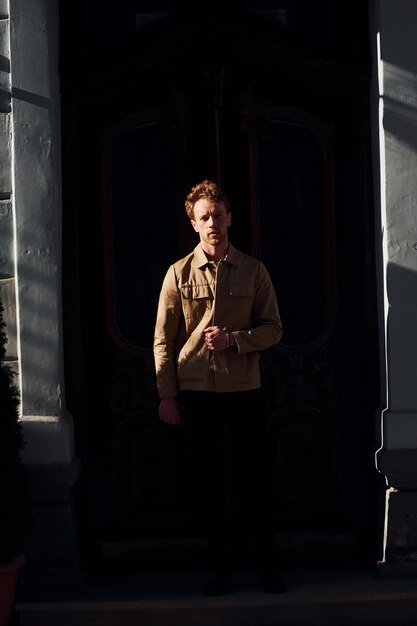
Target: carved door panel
290, 148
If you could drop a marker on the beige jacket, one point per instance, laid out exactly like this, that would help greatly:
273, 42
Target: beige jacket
238, 296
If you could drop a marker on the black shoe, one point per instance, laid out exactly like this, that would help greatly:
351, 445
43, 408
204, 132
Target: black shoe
218, 584
271, 581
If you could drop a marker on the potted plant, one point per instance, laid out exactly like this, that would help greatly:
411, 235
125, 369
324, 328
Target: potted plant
13, 503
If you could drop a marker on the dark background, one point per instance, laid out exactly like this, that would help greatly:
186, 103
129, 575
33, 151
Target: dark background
273, 100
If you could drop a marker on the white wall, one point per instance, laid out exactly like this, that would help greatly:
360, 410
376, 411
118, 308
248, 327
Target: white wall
395, 49
36, 186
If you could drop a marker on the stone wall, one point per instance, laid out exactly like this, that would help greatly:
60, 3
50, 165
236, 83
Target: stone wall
30, 270
395, 157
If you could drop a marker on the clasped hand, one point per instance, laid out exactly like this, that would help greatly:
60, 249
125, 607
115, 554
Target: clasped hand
216, 338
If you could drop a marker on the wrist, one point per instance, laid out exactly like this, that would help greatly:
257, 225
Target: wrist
231, 341
169, 399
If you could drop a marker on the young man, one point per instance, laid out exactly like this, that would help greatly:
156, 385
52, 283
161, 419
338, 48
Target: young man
217, 310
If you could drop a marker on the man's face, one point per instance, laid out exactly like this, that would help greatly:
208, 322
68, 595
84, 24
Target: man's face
211, 221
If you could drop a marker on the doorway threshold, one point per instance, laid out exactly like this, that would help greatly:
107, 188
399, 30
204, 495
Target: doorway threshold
345, 596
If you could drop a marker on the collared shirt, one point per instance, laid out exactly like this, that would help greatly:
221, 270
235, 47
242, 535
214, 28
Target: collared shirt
236, 294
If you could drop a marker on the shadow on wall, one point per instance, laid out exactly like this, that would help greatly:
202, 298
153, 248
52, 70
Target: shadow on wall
402, 329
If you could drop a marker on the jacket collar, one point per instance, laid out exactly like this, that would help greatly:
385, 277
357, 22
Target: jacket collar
200, 259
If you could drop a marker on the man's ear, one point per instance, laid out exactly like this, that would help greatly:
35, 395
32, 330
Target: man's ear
229, 218
194, 225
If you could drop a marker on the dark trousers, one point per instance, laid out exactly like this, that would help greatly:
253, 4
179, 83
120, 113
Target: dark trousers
231, 474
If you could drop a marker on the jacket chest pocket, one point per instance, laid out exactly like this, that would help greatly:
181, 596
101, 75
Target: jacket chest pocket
241, 297
238, 305
239, 290
196, 300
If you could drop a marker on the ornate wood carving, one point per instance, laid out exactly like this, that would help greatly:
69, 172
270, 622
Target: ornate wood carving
255, 121
130, 259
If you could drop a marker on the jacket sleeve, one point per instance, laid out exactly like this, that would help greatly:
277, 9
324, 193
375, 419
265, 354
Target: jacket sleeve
267, 327
166, 330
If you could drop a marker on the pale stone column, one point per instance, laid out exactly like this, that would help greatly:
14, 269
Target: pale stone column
32, 251
395, 95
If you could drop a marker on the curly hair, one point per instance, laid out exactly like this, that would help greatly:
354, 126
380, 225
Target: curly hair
206, 189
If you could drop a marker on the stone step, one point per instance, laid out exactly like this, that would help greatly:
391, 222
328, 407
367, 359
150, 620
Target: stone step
316, 597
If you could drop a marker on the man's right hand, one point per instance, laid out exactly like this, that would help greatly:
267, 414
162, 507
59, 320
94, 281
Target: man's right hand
169, 411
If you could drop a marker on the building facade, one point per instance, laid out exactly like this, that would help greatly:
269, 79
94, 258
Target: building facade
99, 144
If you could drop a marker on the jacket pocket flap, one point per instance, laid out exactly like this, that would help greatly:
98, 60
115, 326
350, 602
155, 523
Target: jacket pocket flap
241, 290
195, 292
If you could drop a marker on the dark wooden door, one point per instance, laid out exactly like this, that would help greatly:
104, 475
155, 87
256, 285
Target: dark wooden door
288, 137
